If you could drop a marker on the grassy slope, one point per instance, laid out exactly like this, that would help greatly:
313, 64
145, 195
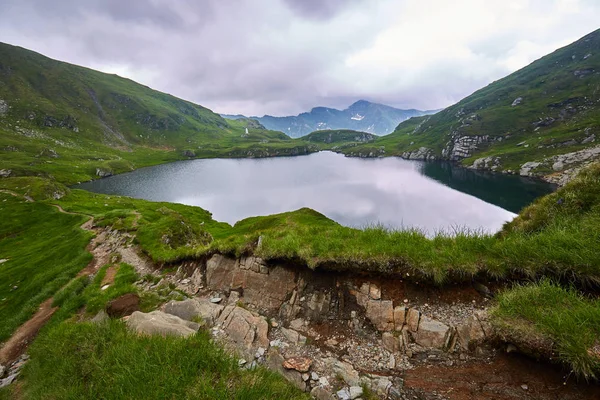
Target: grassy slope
549, 88
65, 121
127, 366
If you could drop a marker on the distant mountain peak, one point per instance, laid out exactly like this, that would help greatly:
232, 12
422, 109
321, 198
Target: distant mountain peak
362, 115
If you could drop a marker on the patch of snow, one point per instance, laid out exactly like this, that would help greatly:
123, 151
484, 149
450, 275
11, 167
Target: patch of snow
357, 117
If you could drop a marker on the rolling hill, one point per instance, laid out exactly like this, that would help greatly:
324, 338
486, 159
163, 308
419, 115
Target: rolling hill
542, 120
63, 120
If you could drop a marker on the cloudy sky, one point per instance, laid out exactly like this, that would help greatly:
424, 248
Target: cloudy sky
283, 57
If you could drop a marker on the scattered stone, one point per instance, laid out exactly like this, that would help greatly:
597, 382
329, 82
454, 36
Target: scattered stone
278, 343
123, 306
323, 381
2, 261
160, 323
242, 362
275, 362
524, 387
305, 377
314, 376
297, 324
215, 300
260, 352
300, 364
9, 380
511, 348
103, 288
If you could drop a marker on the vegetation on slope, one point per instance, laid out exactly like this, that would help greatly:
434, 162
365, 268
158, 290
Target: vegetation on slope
558, 112
87, 361
552, 322
71, 123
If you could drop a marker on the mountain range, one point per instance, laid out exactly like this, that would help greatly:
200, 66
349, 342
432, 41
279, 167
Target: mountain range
362, 116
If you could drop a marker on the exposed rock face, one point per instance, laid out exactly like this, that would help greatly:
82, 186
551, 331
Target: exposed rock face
528, 167
103, 173
463, 146
470, 334
160, 323
5, 173
423, 153
491, 163
566, 166
265, 287
3, 108
517, 101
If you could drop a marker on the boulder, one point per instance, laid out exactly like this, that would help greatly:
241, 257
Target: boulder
195, 308
381, 314
160, 323
470, 334
247, 330
391, 342
123, 306
432, 333
355, 392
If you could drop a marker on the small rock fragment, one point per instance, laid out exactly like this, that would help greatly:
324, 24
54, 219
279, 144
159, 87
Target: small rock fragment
300, 364
355, 392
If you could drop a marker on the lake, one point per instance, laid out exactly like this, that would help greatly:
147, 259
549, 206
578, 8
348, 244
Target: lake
352, 191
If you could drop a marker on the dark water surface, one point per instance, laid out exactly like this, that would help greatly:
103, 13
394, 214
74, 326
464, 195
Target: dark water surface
352, 191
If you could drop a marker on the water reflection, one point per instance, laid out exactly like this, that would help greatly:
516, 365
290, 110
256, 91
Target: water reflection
354, 192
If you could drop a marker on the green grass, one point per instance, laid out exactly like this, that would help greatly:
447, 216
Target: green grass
540, 312
85, 361
549, 88
45, 250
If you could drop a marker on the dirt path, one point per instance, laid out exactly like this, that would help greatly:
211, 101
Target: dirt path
16, 345
20, 340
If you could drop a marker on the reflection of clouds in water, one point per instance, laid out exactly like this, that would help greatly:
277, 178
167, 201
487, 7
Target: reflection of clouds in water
354, 192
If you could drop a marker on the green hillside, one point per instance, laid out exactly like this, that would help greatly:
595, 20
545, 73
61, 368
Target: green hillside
547, 108
72, 123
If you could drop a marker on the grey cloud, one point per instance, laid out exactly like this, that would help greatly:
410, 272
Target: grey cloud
256, 57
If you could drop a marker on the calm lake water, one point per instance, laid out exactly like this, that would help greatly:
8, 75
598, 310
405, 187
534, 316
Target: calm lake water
352, 191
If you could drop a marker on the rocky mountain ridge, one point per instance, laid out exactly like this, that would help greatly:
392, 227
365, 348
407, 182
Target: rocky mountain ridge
362, 115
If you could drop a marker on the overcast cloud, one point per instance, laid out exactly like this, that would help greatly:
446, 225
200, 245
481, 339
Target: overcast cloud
283, 57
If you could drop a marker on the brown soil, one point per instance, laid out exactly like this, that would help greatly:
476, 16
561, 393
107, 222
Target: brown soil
16, 345
506, 377
109, 278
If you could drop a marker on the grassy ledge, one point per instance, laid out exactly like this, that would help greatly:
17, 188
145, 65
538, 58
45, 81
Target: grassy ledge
552, 322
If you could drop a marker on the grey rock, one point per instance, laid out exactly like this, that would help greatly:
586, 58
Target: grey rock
412, 319
160, 323
3, 108
517, 101
343, 394
215, 300
103, 173
423, 153
100, 318
347, 372
321, 393
5, 173
528, 167
194, 308
8, 380
432, 333
355, 392
381, 314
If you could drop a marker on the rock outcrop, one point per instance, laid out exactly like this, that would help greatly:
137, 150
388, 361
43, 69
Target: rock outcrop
160, 323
